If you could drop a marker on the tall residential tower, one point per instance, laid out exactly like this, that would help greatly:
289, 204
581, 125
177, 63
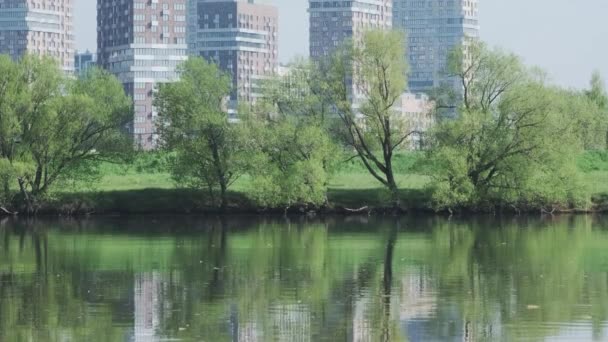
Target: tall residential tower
39, 27
333, 21
434, 28
241, 37
142, 42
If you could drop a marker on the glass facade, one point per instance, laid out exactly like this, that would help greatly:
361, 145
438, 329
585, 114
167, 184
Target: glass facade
433, 29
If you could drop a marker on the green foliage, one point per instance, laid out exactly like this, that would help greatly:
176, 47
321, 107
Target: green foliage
597, 92
364, 81
593, 161
55, 129
291, 153
597, 115
193, 123
291, 162
512, 142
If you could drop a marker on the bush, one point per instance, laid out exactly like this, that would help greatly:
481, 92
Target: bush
593, 161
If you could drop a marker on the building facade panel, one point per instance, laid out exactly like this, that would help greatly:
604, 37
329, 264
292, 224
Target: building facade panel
39, 27
142, 42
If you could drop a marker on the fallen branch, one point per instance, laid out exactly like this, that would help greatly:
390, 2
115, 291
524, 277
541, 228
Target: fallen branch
357, 210
4, 210
544, 211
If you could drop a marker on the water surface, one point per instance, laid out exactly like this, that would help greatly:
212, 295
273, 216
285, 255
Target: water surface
336, 279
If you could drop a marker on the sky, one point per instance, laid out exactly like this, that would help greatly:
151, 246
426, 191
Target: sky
567, 38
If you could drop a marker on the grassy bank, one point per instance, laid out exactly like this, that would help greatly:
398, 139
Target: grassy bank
143, 187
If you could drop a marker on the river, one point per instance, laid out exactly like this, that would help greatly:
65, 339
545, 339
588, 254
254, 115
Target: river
323, 279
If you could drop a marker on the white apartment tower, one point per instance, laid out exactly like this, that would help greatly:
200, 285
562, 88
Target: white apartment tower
38, 27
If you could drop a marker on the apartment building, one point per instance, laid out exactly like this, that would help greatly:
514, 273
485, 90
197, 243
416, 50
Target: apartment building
333, 21
142, 42
241, 37
83, 61
38, 27
434, 28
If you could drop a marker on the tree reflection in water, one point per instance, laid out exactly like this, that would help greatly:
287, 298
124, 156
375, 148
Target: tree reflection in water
348, 279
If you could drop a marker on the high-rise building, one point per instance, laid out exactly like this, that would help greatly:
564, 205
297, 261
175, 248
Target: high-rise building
333, 21
434, 28
241, 37
142, 42
83, 61
38, 27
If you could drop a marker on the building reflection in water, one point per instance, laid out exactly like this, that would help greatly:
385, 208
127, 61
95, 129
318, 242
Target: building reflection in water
147, 299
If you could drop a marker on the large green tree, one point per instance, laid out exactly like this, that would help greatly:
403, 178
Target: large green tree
365, 80
194, 124
55, 128
80, 128
292, 155
513, 141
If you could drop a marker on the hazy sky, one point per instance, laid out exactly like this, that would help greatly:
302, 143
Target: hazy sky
568, 38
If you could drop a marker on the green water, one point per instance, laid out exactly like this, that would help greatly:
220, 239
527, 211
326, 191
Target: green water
337, 279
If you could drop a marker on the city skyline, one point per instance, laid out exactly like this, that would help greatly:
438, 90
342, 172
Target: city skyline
569, 53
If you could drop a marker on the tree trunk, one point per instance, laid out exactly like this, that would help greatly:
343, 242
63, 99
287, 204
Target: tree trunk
224, 195
37, 181
6, 187
392, 187
26, 196
390, 177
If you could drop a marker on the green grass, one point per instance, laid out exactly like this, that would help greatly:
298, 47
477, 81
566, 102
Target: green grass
138, 188
144, 186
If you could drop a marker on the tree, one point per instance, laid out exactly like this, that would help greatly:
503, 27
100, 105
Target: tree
54, 128
512, 141
78, 130
597, 91
193, 123
291, 161
365, 79
292, 155
597, 95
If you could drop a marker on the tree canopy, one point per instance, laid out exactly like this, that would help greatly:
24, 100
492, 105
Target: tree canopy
194, 124
513, 140
291, 153
53, 128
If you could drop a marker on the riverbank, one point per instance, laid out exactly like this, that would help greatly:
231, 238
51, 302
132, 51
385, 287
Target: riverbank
152, 201
155, 201
143, 188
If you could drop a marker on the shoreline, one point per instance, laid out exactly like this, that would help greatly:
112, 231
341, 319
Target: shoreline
362, 202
